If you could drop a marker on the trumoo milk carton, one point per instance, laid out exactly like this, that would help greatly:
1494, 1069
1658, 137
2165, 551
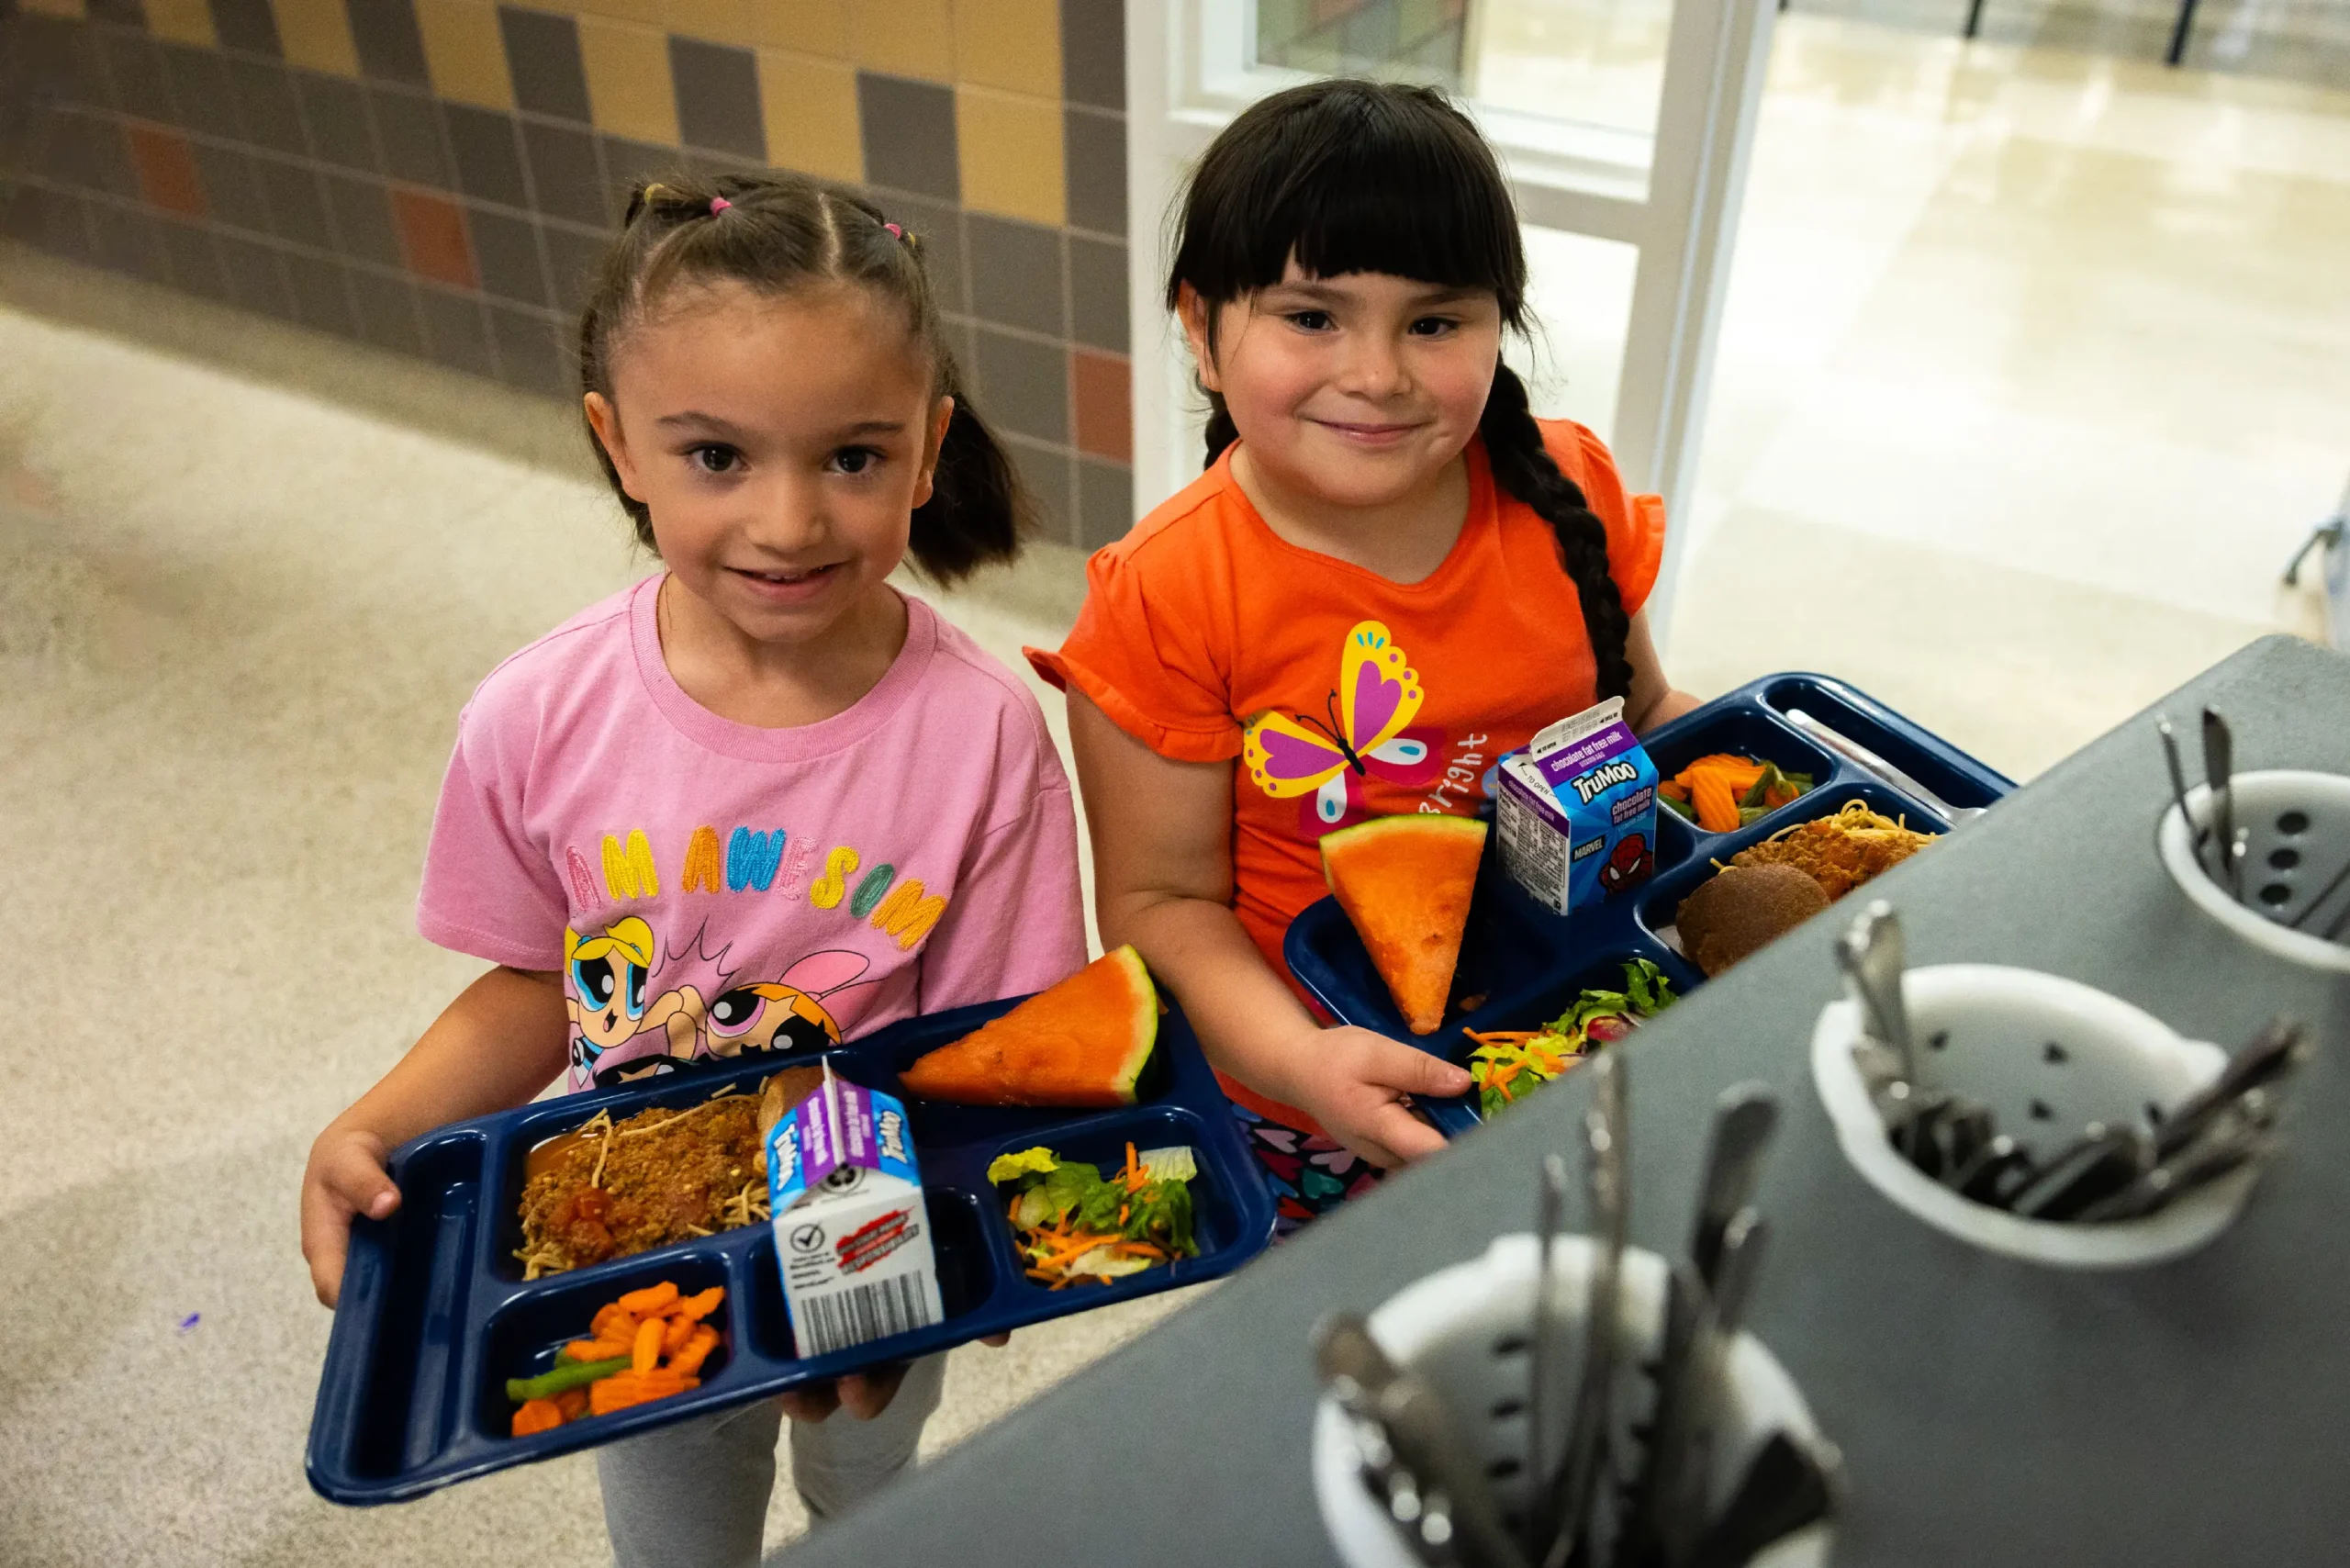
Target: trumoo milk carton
1577, 810
852, 1233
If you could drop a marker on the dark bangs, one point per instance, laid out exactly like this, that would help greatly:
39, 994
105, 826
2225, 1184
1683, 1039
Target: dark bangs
1352, 176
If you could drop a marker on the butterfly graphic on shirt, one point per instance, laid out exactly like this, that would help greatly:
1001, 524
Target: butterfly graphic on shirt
1365, 732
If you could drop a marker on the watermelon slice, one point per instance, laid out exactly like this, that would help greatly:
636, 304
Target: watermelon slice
1084, 1042
1405, 882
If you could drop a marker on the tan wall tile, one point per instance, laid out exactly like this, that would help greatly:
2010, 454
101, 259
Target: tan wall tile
904, 38
652, 13
1010, 152
1011, 44
464, 52
809, 26
810, 106
628, 80
316, 34
54, 7
719, 21
183, 21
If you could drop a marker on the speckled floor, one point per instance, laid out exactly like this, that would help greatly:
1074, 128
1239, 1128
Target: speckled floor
236, 621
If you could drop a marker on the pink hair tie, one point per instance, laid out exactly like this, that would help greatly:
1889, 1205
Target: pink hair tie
719, 205
894, 229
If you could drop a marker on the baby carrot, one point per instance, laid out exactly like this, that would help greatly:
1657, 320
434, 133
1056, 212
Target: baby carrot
702, 1304
697, 1350
675, 1332
537, 1416
648, 1301
647, 1353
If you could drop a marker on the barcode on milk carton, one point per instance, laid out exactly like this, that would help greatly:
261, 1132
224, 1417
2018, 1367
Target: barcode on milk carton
865, 1312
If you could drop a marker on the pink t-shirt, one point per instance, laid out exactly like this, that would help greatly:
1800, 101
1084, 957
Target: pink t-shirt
708, 888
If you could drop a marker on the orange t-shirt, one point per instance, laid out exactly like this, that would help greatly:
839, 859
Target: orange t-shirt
1205, 637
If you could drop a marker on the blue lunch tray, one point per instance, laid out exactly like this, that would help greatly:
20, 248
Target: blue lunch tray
435, 1315
1528, 964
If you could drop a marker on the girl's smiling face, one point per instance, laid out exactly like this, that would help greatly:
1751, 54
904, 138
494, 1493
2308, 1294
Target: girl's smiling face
1352, 391
781, 443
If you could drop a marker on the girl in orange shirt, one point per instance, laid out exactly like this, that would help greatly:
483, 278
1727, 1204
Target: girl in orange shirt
1389, 574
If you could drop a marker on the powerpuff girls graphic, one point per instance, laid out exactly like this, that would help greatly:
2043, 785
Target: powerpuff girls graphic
618, 1035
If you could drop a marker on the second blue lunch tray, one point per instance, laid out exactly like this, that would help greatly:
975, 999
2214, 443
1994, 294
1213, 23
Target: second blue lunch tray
435, 1315
1521, 965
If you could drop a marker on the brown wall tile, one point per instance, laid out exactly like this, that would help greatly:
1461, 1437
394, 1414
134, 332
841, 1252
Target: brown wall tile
628, 80
487, 153
1095, 147
908, 132
167, 176
718, 97
904, 38
543, 53
1024, 385
1093, 52
1011, 44
1016, 275
249, 25
1011, 155
53, 7
183, 21
1102, 404
432, 237
121, 13
464, 52
1106, 502
809, 105
383, 33
316, 34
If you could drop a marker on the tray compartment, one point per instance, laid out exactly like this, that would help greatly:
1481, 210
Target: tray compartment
1659, 905
524, 1337
1747, 731
1217, 1211
958, 1245
677, 1091
1940, 766
404, 1416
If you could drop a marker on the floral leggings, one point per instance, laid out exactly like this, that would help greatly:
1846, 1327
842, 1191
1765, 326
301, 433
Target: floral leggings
1309, 1174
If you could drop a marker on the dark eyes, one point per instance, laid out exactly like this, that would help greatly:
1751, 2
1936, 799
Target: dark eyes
1319, 321
1309, 320
712, 458
1433, 325
854, 459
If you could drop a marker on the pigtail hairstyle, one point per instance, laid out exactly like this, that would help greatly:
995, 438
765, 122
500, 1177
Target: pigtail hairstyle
1354, 176
777, 233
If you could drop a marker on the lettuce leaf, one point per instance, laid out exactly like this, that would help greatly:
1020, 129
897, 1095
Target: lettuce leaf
1003, 1168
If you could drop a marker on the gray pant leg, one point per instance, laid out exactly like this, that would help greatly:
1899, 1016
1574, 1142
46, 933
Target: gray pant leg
692, 1495
839, 1462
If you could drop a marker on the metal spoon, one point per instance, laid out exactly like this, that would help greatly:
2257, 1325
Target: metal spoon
2178, 782
2218, 771
1871, 954
1606, 1169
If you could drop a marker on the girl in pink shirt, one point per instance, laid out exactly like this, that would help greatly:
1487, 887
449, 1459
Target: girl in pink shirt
760, 802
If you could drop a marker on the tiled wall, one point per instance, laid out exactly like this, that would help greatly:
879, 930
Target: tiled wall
436, 176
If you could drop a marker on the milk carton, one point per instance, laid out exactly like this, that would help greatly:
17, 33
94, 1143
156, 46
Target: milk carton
852, 1233
1577, 810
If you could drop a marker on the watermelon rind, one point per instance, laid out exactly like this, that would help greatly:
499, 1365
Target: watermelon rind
1146, 992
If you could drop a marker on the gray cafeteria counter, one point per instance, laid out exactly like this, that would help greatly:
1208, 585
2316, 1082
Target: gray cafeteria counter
1990, 1411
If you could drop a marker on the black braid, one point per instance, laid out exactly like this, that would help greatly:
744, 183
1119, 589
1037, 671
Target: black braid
1222, 433
1524, 467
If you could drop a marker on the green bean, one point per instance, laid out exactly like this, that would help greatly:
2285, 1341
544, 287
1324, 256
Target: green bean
571, 1374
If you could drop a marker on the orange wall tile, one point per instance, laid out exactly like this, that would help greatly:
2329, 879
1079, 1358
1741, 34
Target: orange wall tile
465, 54
904, 38
629, 86
1011, 44
809, 26
810, 106
432, 237
1101, 401
167, 176
1010, 152
316, 34
183, 21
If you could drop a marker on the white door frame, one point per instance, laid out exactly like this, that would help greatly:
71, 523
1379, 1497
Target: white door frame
1674, 196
